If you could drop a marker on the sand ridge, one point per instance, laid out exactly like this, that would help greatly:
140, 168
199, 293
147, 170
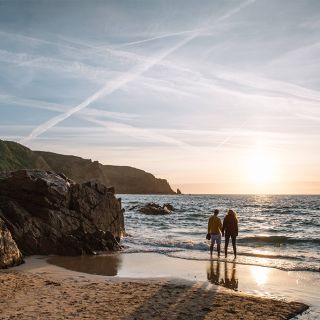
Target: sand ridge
25, 295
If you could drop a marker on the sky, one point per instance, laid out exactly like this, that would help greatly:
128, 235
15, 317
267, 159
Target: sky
214, 96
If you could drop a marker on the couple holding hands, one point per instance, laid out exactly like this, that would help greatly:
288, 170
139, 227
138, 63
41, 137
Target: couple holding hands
229, 229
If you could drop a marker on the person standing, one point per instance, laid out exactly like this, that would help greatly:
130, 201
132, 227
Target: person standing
230, 230
215, 230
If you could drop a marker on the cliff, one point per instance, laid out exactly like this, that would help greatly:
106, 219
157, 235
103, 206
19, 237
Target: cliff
125, 179
15, 156
42, 212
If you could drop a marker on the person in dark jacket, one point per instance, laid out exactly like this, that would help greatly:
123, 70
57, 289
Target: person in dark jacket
230, 229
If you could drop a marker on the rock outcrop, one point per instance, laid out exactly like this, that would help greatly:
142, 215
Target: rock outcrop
154, 208
14, 156
10, 255
46, 213
169, 206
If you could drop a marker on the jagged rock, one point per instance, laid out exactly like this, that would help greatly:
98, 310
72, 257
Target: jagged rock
47, 213
155, 209
178, 191
169, 206
134, 207
10, 255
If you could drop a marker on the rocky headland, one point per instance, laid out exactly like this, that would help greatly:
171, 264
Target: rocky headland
125, 179
42, 212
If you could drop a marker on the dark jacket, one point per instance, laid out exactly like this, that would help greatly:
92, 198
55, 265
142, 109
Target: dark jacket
230, 225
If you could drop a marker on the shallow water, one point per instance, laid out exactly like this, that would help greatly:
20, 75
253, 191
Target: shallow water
275, 231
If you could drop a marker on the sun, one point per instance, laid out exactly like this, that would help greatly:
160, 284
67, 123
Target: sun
259, 168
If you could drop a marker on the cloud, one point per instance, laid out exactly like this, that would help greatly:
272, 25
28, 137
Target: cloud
137, 133
309, 116
40, 104
120, 81
78, 70
272, 86
98, 74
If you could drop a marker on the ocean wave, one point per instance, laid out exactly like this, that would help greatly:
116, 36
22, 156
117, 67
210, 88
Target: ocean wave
199, 252
196, 247
172, 244
277, 240
269, 256
188, 245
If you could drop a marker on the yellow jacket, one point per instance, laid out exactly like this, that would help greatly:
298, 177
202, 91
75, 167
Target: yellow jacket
214, 225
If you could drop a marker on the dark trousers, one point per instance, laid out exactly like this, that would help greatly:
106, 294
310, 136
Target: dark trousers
233, 239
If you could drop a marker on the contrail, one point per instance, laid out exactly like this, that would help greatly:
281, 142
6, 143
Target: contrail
157, 38
234, 133
122, 80
225, 16
107, 89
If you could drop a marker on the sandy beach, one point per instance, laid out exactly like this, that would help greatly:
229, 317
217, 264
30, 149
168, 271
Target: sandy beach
38, 290
159, 160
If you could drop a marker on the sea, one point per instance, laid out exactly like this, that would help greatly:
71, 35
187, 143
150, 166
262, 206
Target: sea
279, 231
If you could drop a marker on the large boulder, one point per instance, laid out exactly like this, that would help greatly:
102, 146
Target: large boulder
47, 213
10, 255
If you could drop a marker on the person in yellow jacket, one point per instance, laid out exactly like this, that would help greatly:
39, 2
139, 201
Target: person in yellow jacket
215, 231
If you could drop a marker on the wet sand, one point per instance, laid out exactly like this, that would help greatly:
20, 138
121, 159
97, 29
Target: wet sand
38, 290
294, 285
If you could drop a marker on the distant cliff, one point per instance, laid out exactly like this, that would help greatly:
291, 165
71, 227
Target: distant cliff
125, 179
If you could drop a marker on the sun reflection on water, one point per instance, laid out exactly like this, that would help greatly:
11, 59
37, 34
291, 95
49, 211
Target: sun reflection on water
260, 274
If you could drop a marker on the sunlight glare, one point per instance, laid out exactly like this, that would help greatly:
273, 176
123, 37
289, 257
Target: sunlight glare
260, 167
259, 274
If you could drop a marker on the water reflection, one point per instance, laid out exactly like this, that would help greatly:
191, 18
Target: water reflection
260, 274
223, 274
106, 265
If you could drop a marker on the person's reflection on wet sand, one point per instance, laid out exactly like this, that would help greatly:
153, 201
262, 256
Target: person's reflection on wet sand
230, 280
227, 279
213, 272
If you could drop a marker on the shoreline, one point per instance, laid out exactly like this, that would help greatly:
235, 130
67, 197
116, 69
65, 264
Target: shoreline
143, 294
252, 279
240, 261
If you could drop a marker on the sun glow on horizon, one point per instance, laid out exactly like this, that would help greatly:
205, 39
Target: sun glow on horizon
259, 169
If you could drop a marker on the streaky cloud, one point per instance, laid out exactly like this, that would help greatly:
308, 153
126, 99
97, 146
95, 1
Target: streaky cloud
117, 83
139, 133
109, 88
45, 105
